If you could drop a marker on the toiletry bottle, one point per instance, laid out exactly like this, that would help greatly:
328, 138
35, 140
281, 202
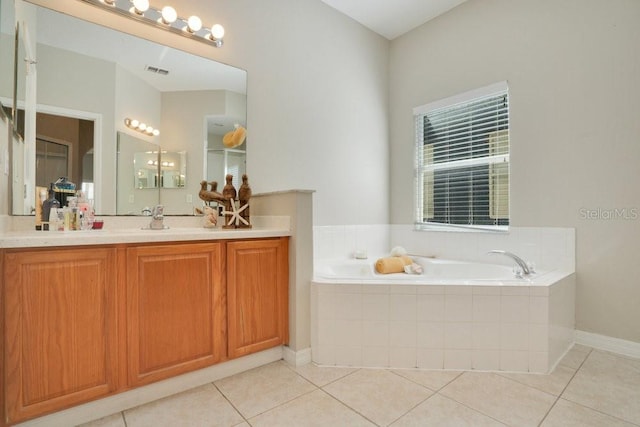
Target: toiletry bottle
66, 212
41, 196
53, 219
86, 211
48, 204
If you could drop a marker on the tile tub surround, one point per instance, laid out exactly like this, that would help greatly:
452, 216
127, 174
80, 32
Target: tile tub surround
550, 248
520, 329
487, 328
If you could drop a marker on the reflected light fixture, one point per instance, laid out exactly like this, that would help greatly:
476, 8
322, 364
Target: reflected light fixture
141, 127
166, 18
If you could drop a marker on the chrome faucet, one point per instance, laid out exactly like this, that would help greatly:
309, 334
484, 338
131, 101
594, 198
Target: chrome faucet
526, 270
157, 218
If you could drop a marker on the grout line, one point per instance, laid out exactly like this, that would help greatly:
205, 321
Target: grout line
464, 404
348, 407
414, 406
566, 385
231, 403
124, 419
469, 407
278, 405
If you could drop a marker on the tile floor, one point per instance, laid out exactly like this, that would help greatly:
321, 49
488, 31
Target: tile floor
588, 388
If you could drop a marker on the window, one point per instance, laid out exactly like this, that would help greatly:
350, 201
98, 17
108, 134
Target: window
462, 160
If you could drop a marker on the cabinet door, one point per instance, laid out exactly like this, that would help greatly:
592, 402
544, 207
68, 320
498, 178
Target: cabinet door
60, 329
175, 310
257, 293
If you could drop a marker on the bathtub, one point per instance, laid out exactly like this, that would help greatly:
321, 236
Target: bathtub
435, 271
456, 315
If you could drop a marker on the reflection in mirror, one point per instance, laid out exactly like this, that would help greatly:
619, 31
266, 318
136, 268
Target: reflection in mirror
145, 169
222, 161
64, 147
7, 46
137, 185
173, 169
83, 68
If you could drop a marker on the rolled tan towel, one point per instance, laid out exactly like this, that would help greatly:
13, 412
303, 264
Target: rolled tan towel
394, 264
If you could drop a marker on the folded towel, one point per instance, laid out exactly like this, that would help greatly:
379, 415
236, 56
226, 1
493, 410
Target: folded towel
394, 264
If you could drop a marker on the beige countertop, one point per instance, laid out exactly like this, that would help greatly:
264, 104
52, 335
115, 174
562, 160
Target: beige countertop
117, 231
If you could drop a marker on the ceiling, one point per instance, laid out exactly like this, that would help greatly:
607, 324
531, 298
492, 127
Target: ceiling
392, 18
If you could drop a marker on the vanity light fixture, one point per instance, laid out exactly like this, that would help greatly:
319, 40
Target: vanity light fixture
141, 127
194, 24
139, 7
168, 15
166, 18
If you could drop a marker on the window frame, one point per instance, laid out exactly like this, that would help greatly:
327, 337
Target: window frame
492, 158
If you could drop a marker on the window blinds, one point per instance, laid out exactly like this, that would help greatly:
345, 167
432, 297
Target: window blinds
462, 159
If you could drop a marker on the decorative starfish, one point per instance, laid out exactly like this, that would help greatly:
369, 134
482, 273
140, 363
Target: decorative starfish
236, 219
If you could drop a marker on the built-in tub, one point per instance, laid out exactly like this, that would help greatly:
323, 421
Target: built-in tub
434, 272
455, 315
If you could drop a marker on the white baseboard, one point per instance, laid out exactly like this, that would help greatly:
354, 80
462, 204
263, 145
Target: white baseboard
603, 342
119, 402
296, 358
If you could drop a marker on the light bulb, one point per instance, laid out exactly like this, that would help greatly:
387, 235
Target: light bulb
134, 123
169, 15
217, 32
142, 126
149, 130
140, 6
156, 132
194, 24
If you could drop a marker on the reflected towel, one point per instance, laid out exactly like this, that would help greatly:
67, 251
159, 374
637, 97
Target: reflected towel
235, 137
393, 264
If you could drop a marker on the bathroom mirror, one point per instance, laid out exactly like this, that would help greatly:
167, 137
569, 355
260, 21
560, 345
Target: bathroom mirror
93, 73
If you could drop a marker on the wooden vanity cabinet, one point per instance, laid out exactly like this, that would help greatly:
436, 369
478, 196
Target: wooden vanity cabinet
60, 329
257, 295
176, 317
81, 323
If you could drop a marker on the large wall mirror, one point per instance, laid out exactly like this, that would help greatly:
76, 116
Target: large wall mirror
88, 80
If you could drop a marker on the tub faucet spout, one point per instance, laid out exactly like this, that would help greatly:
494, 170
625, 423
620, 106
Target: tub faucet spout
521, 263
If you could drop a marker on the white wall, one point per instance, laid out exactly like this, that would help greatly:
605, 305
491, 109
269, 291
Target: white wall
572, 68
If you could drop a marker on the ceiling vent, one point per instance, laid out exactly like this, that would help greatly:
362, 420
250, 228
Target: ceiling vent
157, 70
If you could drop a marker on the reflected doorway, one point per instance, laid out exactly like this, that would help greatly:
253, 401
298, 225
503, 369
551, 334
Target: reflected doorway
64, 147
